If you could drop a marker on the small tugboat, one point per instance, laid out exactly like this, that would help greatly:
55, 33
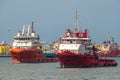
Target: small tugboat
26, 47
75, 50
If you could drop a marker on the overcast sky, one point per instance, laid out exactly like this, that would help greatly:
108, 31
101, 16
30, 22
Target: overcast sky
52, 17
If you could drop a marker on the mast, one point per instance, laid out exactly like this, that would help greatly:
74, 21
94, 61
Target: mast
32, 26
76, 22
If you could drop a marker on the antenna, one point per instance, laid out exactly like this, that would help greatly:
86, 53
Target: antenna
76, 26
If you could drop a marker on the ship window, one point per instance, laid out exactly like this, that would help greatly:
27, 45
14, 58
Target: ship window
28, 38
16, 38
20, 39
73, 39
68, 40
83, 40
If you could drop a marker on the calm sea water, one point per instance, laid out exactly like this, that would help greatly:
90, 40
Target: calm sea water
52, 71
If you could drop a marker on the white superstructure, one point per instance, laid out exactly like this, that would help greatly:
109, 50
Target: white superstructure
74, 40
26, 38
77, 48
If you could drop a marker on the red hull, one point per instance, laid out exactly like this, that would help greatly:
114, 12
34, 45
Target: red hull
79, 60
76, 50
29, 56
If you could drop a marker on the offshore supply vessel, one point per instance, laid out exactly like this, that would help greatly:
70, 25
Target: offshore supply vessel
75, 50
26, 47
109, 48
4, 49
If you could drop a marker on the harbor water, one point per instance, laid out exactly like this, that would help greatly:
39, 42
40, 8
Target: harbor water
52, 71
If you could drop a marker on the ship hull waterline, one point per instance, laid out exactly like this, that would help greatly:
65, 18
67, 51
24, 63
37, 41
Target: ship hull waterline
83, 61
29, 56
